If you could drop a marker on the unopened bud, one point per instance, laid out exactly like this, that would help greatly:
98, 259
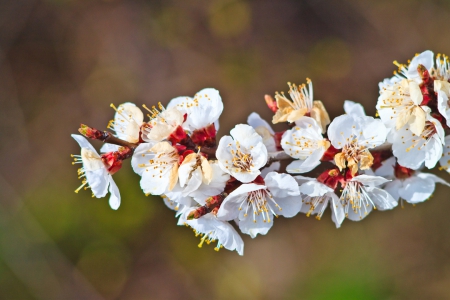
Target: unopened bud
271, 103
197, 213
91, 133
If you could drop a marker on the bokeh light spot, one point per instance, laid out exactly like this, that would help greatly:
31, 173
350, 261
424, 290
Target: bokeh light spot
330, 59
229, 19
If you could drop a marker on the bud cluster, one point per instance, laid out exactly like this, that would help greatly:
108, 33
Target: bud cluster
370, 163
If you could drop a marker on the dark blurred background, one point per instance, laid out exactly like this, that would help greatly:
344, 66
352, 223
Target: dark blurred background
62, 62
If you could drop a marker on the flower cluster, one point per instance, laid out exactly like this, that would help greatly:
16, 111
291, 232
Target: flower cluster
366, 163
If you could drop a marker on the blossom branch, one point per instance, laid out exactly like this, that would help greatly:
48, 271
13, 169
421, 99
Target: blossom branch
104, 136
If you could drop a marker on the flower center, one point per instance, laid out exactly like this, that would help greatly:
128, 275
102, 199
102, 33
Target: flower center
208, 237
355, 197
318, 202
441, 72
301, 97
354, 153
258, 201
242, 161
425, 137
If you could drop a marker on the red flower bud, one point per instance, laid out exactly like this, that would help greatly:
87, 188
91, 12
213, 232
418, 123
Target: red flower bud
272, 104
92, 133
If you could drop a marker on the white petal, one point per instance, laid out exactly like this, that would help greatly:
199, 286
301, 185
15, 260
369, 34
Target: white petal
432, 177
186, 167
314, 188
359, 215
337, 211
302, 179
393, 188
353, 108
387, 168
109, 148
154, 185
98, 181
248, 226
416, 189
221, 231
83, 142
281, 185
341, 129
229, 209
307, 165
274, 167
256, 121
382, 199
368, 180
141, 156
374, 132
245, 135
194, 182
443, 106
416, 94
259, 155
445, 160
290, 206
433, 152
114, 199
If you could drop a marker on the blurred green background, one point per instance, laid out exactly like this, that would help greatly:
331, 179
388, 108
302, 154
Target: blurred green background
62, 62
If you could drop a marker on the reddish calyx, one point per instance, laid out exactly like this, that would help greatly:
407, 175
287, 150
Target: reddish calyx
205, 136
259, 180
331, 178
379, 157
177, 135
427, 88
113, 160
277, 137
330, 153
402, 172
183, 154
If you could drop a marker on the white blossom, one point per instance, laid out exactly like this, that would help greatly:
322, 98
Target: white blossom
412, 186
157, 164
162, 124
410, 72
361, 194
213, 230
214, 187
264, 130
202, 110
255, 205
305, 143
94, 173
442, 89
399, 105
242, 154
315, 199
127, 123
413, 150
302, 103
193, 171
355, 136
